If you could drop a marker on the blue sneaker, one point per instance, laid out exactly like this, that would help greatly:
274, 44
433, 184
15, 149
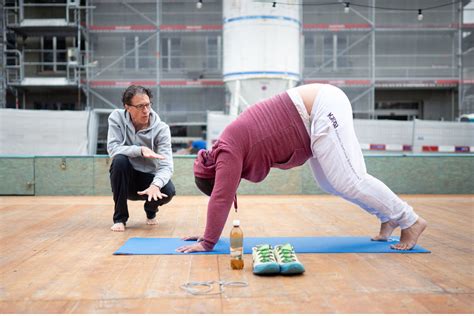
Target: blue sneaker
264, 260
286, 257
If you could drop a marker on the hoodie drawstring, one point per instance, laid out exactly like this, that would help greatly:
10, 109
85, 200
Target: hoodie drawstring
235, 202
125, 127
152, 140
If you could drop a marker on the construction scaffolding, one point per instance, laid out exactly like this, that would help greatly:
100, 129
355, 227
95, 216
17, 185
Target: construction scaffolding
368, 48
466, 75
44, 49
81, 54
3, 83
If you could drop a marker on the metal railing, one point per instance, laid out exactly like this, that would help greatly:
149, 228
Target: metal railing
188, 66
15, 15
14, 70
17, 69
386, 66
184, 117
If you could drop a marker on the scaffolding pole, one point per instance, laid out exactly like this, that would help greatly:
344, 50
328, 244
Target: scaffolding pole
3, 73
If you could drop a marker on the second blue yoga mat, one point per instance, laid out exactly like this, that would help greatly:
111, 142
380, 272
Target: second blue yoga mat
167, 246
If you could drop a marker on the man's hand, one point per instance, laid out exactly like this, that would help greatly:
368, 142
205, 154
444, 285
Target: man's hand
153, 192
191, 248
148, 153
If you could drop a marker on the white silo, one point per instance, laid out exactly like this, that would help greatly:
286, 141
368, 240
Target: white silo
261, 49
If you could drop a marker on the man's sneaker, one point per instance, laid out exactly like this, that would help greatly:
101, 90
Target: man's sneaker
264, 260
286, 258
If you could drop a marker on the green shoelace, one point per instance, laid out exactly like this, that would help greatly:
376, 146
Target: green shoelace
286, 253
265, 254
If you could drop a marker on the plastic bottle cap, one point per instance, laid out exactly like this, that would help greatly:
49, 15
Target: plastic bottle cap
236, 222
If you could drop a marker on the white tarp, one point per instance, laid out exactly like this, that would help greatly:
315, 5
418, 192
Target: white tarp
443, 134
216, 123
384, 131
416, 133
42, 132
389, 133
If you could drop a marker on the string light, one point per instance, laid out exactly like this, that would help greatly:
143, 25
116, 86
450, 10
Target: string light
420, 15
348, 4
199, 4
347, 8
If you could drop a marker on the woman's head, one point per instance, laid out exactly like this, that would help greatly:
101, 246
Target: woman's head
205, 185
205, 171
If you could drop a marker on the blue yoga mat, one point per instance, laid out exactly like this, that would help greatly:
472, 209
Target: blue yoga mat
167, 246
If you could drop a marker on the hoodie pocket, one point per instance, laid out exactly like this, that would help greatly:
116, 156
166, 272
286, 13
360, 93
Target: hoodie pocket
296, 159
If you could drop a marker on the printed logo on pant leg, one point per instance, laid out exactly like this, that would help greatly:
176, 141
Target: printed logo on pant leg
332, 118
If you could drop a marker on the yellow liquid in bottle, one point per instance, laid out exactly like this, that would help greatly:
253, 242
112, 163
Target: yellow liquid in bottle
237, 264
236, 248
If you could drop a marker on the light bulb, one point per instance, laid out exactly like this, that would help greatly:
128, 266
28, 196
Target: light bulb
347, 8
199, 4
420, 15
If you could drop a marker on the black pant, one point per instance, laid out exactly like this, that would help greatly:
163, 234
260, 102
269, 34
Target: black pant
126, 181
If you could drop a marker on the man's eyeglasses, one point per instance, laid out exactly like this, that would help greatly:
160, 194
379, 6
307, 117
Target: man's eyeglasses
142, 106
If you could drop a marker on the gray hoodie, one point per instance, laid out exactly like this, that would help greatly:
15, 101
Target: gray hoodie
123, 139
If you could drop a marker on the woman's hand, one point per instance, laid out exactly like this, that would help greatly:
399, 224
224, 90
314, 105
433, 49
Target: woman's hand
197, 247
198, 238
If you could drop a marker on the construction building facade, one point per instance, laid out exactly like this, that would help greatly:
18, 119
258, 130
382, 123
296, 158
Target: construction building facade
80, 54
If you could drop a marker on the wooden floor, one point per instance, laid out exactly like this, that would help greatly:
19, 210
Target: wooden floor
56, 257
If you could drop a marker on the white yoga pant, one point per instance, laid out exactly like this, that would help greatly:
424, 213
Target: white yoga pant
338, 164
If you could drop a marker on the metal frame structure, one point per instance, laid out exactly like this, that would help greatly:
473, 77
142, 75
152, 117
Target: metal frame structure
466, 73
29, 68
3, 84
436, 70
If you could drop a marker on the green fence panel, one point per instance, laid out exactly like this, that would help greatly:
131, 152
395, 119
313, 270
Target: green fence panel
183, 176
278, 182
76, 175
101, 175
64, 176
18, 176
424, 174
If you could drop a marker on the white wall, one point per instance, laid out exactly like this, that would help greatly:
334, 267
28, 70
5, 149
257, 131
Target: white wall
384, 132
416, 133
29, 132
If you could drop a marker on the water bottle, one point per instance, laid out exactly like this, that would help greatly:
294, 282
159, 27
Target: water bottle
236, 246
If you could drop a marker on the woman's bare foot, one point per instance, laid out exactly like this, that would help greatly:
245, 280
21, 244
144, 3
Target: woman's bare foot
386, 230
118, 227
151, 221
410, 235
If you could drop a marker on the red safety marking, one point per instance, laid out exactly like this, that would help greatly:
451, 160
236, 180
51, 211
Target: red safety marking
123, 27
325, 26
182, 27
377, 146
429, 148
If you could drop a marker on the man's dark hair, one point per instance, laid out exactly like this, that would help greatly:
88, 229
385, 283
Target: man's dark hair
133, 90
205, 185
